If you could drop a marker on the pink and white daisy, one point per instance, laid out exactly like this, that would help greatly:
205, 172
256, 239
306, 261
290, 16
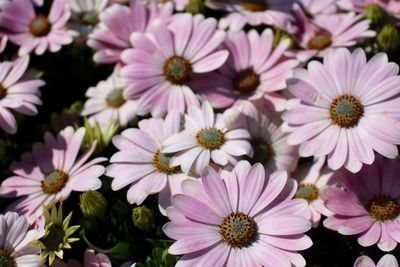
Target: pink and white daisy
162, 72
368, 205
85, 14
51, 172
313, 179
107, 102
16, 248
19, 92
142, 165
244, 219
90, 259
254, 12
253, 70
207, 137
326, 31
386, 261
267, 139
118, 22
36, 31
346, 108
390, 6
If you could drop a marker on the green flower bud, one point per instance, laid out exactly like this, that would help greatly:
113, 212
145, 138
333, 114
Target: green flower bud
93, 204
281, 35
143, 218
76, 107
101, 134
196, 7
388, 39
375, 13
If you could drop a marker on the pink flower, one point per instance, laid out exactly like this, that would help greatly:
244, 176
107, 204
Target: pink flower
391, 6
207, 137
107, 102
163, 72
118, 22
386, 261
346, 108
313, 179
368, 204
51, 172
15, 241
267, 139
18, 92
327, 31
244, 219
254, 12
253, 70
36, 31
141, 164
90, 259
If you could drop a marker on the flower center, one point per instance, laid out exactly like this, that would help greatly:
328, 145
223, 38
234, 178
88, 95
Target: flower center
210, 138
308, 192
39, 26
161, 163
238, 229
177, 70
346, 111
383, 208
254, 5
90, 18
263, 151
115, 98
246, 81
320, 41
5, 259
3, 91
54, 238
54, 181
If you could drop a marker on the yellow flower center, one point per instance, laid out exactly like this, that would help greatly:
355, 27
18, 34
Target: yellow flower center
383, 208
254, 5
54, 181
308, 192
210, 138
246, 81
3, 91
320, 41
177, 70
238, 230
346, 111
115, 98
161, 163
40, 26
5, 259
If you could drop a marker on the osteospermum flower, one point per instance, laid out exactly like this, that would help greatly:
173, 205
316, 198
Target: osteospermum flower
254, 69
267, 139
162, 72
51, 172
313, 179
368, 205
107, 102
243, 219
90, 259
141, 164
16, 247
254, 12
57, 234
207, 137
386, 261
118, 22
346, 108
18, 92
85, 14
328, 31
36, 31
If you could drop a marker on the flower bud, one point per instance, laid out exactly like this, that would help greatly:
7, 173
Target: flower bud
93, 204
196, 7
375, 13
388, 39
102, 134
143, 218
281, 35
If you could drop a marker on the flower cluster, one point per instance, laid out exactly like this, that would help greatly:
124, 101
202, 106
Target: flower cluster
199, 132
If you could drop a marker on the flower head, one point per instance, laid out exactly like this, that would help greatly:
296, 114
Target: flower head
244, 219
51, 172
345, 109
18, 92
16, 248
117, 22
207, 137
253, 70
386, 261
368, 204
36, 31
163, 72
